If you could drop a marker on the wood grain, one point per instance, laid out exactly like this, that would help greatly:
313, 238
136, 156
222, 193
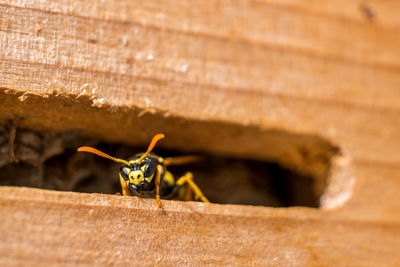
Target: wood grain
210, 75
72, 231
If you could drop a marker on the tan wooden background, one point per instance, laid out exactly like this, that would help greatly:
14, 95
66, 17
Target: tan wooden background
200, 71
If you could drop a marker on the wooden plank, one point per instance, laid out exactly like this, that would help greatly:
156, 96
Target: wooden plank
375, 192
288, 95
92, 229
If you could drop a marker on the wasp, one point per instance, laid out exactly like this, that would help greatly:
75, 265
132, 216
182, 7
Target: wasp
146, 175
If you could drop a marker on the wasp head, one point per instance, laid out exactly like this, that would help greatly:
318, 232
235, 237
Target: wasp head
138, 175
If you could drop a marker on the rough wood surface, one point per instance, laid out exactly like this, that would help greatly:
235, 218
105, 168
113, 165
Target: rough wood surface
110, 230
243, 69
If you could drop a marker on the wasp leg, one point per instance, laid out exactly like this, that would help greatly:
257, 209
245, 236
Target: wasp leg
188, 178
125, 189
188, 193
157, 184
181, 160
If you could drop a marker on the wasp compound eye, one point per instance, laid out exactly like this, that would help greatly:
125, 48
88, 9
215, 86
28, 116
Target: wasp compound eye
149, 169
146, 170
124, 173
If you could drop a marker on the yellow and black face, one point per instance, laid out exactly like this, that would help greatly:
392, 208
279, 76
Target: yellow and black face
139, 172
139, 176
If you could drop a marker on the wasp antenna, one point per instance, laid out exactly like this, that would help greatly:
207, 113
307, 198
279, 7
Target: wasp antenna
153, 142
101, 154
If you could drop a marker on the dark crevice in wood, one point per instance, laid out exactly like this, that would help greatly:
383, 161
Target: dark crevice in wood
49, 160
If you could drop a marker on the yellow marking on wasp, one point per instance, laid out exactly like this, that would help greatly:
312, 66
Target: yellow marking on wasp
148, 179
136, 177
169, 179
